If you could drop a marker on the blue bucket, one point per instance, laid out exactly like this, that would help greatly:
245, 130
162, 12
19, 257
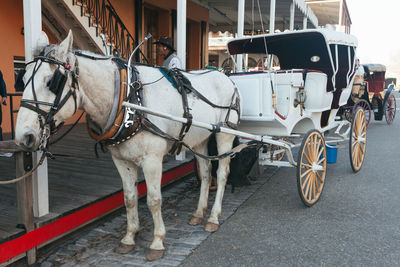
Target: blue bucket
331, 153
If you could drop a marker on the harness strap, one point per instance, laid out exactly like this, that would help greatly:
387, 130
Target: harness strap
28, 105
150, 127
178, 79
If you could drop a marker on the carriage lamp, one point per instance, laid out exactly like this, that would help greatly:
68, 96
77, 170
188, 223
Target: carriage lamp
315, 59
300, 99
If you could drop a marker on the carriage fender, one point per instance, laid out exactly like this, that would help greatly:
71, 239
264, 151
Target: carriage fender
303, 126
388, 91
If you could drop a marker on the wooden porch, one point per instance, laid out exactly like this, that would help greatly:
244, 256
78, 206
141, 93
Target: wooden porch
76, 179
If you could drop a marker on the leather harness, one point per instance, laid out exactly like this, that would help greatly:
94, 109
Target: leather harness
123, 130
127, 122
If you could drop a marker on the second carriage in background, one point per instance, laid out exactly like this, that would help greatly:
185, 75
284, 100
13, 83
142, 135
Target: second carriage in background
369, 92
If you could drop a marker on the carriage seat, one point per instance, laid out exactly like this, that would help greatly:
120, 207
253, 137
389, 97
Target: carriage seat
315, 85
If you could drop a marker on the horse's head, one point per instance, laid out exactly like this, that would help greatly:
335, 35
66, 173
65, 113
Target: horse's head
49, 97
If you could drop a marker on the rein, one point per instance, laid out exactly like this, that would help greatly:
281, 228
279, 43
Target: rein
26, 174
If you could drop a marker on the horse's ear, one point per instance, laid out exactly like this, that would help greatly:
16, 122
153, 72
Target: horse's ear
41, 43
66, 45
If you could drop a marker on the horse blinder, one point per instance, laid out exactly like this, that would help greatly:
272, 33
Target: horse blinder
57, 82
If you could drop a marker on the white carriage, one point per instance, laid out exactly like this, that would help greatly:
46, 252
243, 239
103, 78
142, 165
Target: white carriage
299, 98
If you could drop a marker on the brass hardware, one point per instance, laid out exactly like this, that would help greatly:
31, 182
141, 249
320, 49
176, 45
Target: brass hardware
300, 99
274, 101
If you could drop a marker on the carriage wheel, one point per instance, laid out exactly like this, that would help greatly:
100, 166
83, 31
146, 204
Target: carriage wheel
311, 168
366, 107
390, 108
358, 140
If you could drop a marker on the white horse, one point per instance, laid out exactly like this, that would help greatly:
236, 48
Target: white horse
146, 150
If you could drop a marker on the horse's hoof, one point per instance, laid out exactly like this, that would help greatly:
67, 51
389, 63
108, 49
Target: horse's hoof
123, 249
154, 254
195, 220
211, 227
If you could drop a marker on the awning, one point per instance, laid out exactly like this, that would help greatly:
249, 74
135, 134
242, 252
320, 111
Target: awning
224, 13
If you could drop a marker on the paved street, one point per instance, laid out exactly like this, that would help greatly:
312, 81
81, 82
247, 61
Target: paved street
355, 223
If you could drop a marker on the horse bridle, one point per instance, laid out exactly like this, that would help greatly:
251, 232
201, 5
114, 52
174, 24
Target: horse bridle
56, 86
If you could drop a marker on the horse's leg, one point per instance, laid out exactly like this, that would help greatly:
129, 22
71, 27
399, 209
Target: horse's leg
128, 173
224, 144
152, 169
204, 168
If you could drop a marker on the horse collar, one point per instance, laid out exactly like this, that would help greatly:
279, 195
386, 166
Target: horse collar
125, 122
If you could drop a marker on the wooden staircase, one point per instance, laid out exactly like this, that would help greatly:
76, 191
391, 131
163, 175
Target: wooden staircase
91, 21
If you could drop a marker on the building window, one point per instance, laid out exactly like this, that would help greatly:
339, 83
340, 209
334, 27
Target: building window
19, 64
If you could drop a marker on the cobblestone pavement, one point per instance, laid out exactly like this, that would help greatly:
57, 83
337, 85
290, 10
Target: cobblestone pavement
95, 247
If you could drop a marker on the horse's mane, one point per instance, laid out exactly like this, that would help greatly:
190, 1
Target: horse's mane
91, 55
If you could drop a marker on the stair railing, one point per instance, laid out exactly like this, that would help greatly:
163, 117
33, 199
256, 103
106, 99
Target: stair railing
102, 15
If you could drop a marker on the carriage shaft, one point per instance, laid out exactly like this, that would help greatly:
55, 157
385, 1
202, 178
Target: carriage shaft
211, 127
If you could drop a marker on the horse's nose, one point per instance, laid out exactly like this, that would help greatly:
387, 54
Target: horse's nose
28, 141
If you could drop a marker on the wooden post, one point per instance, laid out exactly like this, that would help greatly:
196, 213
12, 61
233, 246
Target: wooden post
181, 6
240, 31
292, 12
32, 31
272, 9
23, 162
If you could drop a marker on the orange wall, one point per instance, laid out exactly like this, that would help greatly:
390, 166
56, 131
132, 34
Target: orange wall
194, 45
12, 44
195, 14
11, 23
194, 11
125, 10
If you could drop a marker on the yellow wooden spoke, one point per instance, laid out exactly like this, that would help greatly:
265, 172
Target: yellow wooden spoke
354, 144
316, 184
307, 158
319, 177
318, 148
307, 189
313, 186
310, 151
320, 152
355, 153
308, 166
360, 156
307, 171
315, 147
307, 179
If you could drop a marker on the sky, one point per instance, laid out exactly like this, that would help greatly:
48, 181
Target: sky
376, 24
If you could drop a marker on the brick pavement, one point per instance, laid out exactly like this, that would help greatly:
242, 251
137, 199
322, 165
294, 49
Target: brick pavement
95, 247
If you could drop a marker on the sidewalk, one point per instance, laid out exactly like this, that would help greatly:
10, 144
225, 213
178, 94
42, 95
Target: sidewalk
96, 246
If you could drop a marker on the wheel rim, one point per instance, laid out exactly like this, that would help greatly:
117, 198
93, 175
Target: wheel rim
358, 140
390, 111
366, 107
312, 168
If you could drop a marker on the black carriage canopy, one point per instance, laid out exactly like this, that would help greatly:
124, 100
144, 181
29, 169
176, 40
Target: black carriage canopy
374, 68
306, 49
374, 74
